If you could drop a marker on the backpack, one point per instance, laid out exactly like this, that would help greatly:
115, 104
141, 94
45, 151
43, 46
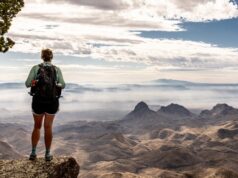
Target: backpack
45, 89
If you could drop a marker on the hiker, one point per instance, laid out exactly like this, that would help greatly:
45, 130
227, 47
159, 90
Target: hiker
46, 82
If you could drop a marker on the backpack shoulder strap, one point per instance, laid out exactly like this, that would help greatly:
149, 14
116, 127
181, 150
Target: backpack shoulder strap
41, 65
54, 69
56, 73
39, 70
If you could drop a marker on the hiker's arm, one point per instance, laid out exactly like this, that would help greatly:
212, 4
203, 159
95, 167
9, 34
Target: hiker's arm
30, 77
60, 78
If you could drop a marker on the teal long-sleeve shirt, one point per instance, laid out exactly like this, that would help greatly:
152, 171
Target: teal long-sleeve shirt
33, 73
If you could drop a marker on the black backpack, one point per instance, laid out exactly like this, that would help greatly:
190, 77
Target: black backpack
46, 89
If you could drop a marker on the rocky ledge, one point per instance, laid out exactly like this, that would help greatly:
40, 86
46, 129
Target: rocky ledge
59, 167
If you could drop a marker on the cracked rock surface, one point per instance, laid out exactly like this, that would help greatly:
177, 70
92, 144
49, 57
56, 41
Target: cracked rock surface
59, 167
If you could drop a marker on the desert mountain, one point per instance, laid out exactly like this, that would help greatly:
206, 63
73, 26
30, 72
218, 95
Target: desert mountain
188, 152
220, 111
169, 143
141, 111
175, 109
142, 119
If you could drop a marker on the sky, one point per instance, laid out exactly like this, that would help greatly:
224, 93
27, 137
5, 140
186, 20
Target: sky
127, 41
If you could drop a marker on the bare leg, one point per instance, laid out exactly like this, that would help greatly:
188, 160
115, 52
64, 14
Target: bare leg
48, 122
36, 131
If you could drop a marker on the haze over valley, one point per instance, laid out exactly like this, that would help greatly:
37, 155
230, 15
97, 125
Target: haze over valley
101, 102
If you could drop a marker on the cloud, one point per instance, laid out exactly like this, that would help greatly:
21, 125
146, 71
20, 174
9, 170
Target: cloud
87, 67
189, 10
205, 10
132, 19
100, 4
121, 45
172, 53
76, 27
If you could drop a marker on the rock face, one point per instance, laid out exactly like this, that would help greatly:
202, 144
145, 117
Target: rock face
63, 167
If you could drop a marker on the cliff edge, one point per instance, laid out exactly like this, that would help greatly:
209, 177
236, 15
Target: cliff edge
59, 167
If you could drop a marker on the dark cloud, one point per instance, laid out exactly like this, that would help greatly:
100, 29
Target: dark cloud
107, 19
98, 4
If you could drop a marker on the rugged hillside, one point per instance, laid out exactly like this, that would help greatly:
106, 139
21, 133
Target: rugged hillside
7, 152
171, 143
202, 152
64, 167
17, 136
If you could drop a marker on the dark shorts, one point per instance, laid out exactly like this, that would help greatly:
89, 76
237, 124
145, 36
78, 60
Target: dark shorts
40, 107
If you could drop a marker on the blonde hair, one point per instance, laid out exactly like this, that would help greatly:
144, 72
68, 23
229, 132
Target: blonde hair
46, 54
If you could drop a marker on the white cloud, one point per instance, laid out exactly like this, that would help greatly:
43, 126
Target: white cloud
172, 53
107, 31
203, 10
191, 10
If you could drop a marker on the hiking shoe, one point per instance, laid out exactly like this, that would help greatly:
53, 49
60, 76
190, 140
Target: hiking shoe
48, 157
32, 157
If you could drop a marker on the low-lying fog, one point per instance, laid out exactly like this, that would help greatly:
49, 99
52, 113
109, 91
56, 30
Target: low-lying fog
110, 102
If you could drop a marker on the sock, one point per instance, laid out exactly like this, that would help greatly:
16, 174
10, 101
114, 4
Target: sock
33, 151
47, 152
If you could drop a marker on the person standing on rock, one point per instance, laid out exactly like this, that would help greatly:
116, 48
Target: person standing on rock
46, 82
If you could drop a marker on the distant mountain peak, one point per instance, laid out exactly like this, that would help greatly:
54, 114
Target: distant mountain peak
141, 106
219, 110
141, 111
222, 106
175, 109
222, 109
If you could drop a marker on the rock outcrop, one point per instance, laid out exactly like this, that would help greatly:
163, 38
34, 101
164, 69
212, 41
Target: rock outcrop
62, 167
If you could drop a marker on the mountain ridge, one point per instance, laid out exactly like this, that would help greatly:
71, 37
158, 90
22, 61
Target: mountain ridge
219, 110
175, 109
148, 143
